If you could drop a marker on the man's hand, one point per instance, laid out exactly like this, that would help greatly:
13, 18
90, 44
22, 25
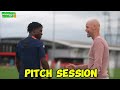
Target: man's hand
70, 66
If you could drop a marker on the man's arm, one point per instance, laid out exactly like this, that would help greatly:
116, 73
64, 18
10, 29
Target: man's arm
43, 60
84, 66
17, 63
44, 63
98, 55
72, 66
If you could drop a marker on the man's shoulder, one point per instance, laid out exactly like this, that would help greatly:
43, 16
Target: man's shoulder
100, 41
36, 42
31, 41
21, 41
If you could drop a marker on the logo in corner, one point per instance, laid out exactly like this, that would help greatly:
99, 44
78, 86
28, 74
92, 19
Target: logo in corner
8, 14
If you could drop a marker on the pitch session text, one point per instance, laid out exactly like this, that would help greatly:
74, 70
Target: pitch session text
61, 73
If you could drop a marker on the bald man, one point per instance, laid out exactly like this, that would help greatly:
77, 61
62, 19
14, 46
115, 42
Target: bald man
98, 53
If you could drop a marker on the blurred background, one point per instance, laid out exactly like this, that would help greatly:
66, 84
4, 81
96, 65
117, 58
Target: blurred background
64, 37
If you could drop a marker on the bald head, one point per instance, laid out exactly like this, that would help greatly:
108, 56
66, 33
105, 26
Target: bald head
94, 22
92, 28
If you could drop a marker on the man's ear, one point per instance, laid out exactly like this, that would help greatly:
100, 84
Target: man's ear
33, 31
94, 27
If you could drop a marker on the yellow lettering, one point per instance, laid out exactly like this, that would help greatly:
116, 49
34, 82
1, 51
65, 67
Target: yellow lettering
87, 73
94, 73
49, 73
32, 73
36, 72
65, 72
27, 71
82, 73
59, 73
78, 73
42, 73
72, 73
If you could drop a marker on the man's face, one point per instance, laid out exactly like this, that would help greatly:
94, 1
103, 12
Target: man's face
89, 30
38, 33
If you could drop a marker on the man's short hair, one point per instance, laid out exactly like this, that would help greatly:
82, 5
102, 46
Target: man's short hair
33, 25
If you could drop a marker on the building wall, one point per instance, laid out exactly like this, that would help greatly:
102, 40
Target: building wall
71, 52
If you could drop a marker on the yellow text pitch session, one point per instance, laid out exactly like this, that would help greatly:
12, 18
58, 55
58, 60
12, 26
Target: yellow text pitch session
65, 73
